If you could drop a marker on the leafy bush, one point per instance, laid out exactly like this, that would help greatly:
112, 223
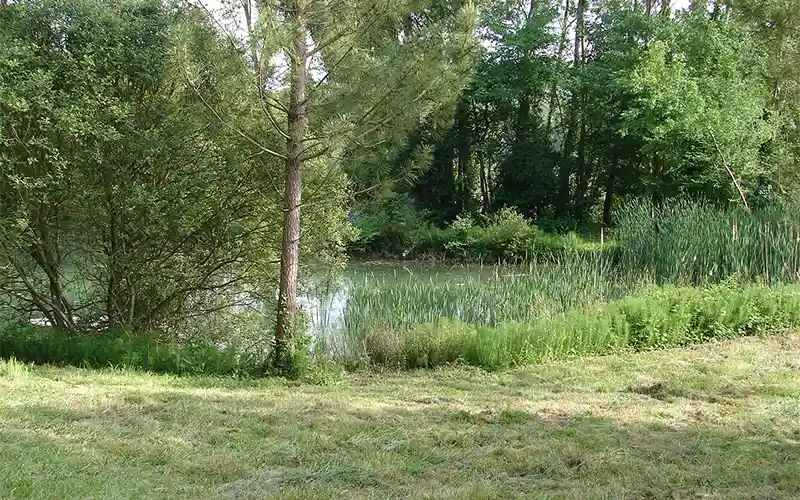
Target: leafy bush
656, 319
387, 225
506, 236
509, 235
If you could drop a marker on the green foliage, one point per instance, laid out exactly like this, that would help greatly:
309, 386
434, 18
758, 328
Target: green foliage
567, 111
506, 236
386, 225
655, 319
124, 203
121, 349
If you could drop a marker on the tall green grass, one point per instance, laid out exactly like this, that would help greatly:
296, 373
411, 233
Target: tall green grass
492, 295
682, 243
687, 242
657, 318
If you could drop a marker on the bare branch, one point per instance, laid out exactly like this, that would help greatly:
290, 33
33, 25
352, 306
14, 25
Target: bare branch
735, 179
239, 131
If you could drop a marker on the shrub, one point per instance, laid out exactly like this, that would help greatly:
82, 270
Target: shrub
387, 225
510, 236
394, 228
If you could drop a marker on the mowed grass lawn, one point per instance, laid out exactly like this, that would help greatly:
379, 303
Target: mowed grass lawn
719, 421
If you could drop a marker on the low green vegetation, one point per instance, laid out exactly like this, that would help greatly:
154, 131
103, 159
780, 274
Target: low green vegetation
399, 232
655, 318
121, 349
665, 285
659, 318
399, 297
568, 303
719, 421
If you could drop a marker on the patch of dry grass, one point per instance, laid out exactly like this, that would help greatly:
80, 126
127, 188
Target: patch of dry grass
719, 421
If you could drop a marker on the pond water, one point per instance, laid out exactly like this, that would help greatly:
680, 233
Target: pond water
343, 309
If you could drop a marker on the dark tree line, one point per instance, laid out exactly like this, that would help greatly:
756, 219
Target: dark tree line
577, 105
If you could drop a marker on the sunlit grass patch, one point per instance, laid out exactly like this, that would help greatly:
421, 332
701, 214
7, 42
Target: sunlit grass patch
720, 421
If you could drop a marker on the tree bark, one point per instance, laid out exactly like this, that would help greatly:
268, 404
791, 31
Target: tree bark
486, 202
482, 163
562, 45
297, 122
666, 9
463, 156
523, 121
657, 169
583, 168
608, 202
564, 171
716, 10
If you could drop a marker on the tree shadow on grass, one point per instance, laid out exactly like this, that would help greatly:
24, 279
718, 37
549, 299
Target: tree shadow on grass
170, 444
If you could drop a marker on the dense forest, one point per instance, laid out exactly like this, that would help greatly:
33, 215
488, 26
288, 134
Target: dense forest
168, 166
576, 106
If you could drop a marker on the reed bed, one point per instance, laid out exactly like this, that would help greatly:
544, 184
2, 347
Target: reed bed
694, 243
685, 244
397, 299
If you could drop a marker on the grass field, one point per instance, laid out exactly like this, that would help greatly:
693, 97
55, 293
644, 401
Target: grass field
720, 421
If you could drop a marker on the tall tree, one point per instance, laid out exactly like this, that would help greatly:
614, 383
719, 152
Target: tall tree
354, 81
564, 172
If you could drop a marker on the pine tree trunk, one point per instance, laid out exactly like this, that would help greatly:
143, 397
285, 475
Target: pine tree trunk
290, 251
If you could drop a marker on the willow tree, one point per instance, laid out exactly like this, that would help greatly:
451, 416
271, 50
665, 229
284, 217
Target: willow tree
123, 204
335, 79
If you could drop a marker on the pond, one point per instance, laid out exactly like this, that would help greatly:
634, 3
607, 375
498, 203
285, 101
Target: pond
342, 310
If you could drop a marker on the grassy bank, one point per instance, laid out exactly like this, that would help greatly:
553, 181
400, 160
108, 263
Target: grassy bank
719, 422
653, 319
121, 349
